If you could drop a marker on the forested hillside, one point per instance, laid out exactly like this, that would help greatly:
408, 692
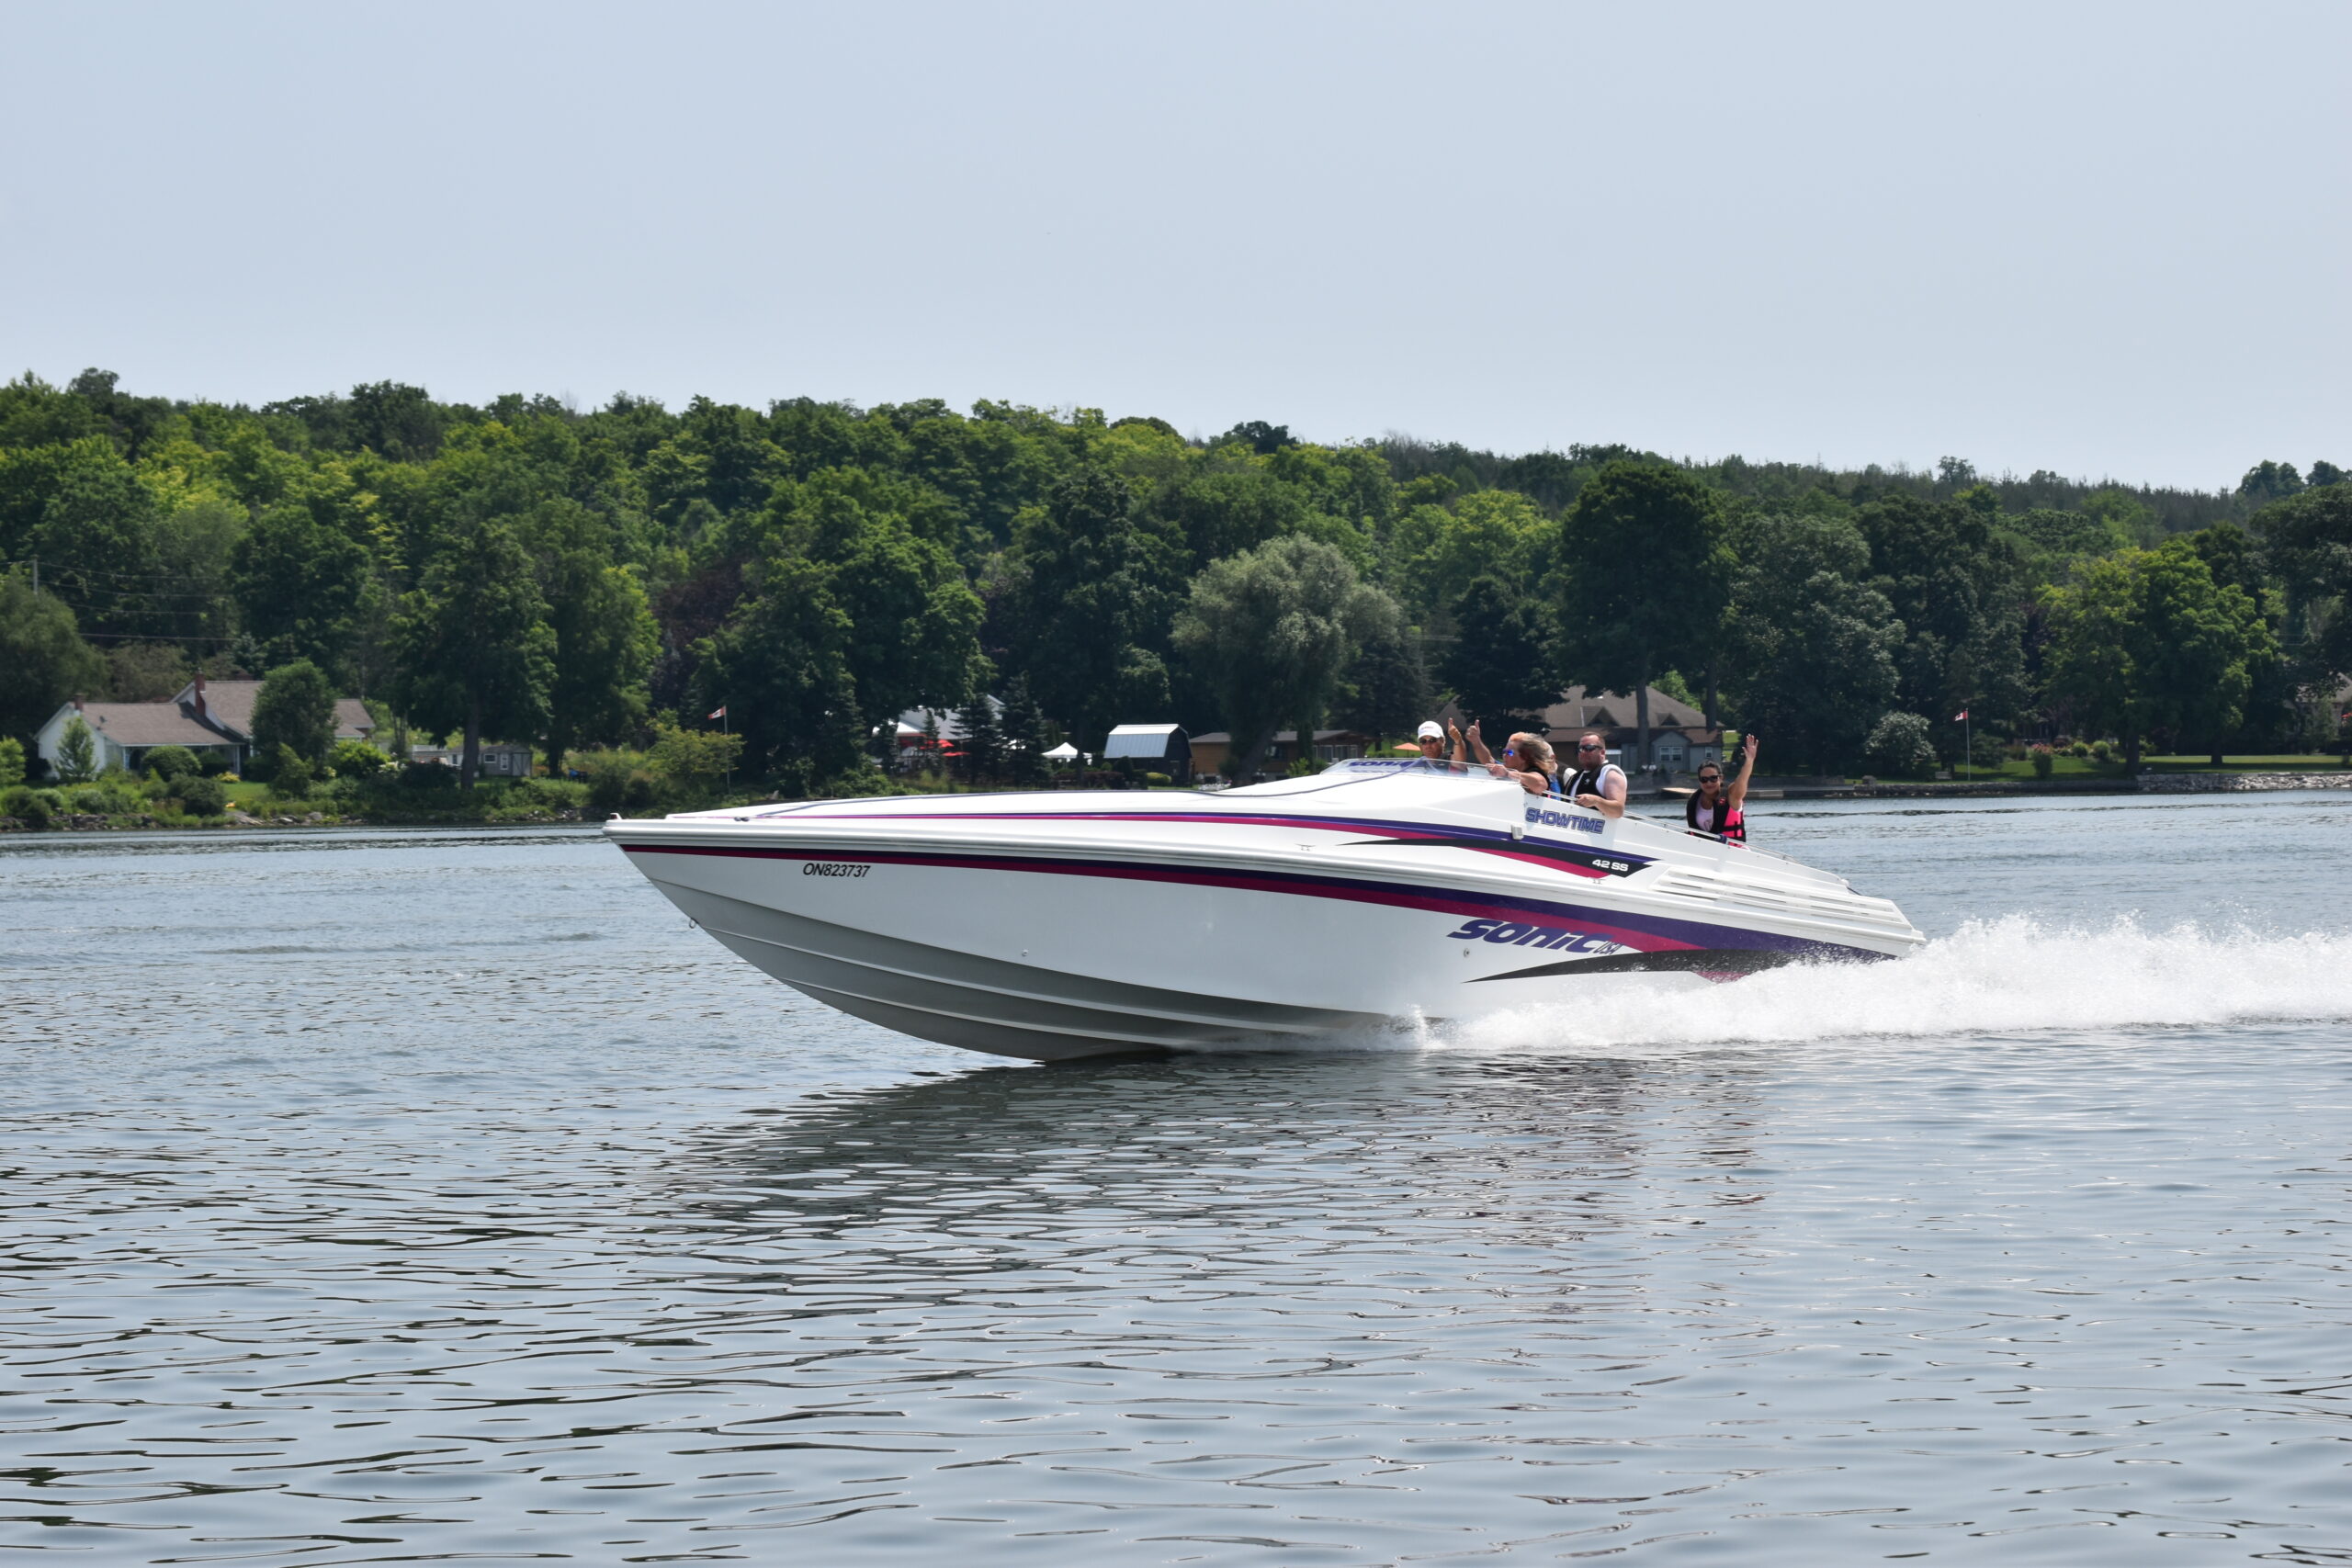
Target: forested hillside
530, 571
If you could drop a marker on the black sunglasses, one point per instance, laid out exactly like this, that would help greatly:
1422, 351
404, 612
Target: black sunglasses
1584, 748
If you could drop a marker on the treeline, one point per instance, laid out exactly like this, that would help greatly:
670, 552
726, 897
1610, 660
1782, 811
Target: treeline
525, 570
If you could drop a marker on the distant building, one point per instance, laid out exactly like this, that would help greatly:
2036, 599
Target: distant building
121, 734
216, 716
494, 759
1162, 747
1210, 750
1680, 737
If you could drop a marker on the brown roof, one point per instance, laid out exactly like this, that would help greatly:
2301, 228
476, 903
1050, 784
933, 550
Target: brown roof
1282, 737
230, 703
1580, 709
146, 724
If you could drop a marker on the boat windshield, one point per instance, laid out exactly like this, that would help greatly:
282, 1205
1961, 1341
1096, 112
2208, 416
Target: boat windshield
1414, 767
1360, 770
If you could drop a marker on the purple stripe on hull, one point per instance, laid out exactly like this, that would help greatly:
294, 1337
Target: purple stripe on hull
1649, 933
1491, 839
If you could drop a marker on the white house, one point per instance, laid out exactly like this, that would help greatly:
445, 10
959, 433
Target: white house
216, 716
121, 734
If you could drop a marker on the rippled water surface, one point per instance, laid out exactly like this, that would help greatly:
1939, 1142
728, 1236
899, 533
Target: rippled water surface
385, 1198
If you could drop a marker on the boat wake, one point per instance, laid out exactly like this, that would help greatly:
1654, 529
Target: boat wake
2006, 976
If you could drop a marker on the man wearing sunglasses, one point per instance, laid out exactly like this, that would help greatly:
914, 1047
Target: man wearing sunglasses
1597, 785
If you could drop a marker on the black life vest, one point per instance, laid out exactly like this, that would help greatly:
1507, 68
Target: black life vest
1587, 780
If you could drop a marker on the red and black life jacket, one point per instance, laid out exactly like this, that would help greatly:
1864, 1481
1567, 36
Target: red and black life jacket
1724, 820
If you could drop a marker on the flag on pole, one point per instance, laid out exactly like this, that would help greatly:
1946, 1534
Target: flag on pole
719, 712
1961, 717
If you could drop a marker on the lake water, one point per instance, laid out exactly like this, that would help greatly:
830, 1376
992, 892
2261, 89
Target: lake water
377, 1196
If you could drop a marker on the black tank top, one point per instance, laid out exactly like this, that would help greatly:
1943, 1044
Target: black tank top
1723, 820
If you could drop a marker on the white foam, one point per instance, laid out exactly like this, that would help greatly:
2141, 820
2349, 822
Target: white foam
2006, 976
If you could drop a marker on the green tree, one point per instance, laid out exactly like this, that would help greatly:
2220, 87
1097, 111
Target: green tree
1274, 629
297, 584
1499, 668
699, 759
43, 660
604, 634
2146, 640
1955, 583
1435, 553
1900, 745
1025, 734
295, 710
76, 753
471, 643
2308, 540
781, 666
981, 754
1812, 648
290, 773
12, 761
2268, 481
1647, 557
1387, 690
914, 622
96, 543
1090, 589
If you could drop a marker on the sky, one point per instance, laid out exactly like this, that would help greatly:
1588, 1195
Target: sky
2107, 239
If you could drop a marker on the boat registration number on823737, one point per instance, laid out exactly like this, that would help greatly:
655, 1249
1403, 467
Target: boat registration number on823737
833, 868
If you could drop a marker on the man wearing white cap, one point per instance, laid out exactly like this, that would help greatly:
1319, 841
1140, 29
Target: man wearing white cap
1431, 741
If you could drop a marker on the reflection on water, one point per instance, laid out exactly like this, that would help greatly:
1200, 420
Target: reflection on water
341, 1225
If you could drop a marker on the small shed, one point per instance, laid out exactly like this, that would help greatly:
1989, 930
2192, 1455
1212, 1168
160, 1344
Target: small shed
1162, 748
496, 759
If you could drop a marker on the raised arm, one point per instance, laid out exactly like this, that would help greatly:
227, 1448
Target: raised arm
1737, 790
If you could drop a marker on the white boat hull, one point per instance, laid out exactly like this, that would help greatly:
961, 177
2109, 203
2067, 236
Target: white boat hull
1058, 926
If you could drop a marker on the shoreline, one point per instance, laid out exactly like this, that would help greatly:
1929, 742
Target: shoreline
2206, 782
2146, 784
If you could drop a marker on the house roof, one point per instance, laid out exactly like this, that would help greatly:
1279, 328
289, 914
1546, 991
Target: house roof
951, 720
1142, 740
146, 724
1580, 708
1283, 737
230, 704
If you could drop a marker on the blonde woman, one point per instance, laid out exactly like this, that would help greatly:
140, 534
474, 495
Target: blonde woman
1529, 759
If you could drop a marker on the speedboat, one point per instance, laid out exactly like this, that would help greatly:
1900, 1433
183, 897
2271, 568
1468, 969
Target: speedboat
1373, 894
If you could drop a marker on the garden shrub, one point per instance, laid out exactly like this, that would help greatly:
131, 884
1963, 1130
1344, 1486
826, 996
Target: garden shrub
200, 797
2102, 751
356, 760
1899, 745
168, 762
290, 774
2044, 760
30, 807
108, 797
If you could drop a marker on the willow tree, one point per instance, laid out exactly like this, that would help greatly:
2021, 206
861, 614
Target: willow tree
1273, 630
